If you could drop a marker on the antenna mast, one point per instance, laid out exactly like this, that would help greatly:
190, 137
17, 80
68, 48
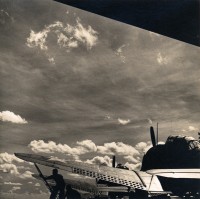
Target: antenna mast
157, 133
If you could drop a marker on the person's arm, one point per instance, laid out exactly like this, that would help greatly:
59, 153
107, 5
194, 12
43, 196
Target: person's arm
49, 177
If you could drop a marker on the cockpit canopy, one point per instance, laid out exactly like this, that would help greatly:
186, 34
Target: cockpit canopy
184, 142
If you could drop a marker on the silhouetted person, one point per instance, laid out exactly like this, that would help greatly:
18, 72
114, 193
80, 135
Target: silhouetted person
71, 193
60, 185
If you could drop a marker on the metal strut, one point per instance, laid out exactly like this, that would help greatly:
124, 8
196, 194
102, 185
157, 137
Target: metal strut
43, 178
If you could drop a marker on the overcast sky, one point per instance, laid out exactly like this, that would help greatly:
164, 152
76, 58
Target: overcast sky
78, 86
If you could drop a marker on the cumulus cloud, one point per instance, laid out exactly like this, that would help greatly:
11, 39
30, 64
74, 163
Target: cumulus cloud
9, 158
143, 147
117, 148
131, 159
10, 168
106, 160
131, 154
8, 116
11, 164
87, 145
123, 122
26, 174
82, 147
7, 163
67, 37
133, 166
161, 59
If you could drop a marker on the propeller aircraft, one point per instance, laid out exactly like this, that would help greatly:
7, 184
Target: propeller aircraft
170, 169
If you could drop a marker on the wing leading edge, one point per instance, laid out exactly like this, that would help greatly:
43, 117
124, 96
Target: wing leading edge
176, 173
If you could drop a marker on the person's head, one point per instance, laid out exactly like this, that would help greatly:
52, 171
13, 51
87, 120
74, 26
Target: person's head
68, 187
55, 171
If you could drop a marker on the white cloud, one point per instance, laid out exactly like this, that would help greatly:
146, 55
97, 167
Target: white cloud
87, 145
8, 158
119, 52
8, 116
119, 148
87, 35
131, 159
150, 121
192, 128
161, 59
107, 117
106, 160
82, 147
11, 164
7, 163
26, 174
37, 184
15, 188
38, 39
51, 60
68, 37
123, 151
10, 168
133, 166
143, 147
123, 122
13, 183
54, 158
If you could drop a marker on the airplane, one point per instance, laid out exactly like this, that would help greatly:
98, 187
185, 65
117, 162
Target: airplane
86, 189
162, 174
178, 152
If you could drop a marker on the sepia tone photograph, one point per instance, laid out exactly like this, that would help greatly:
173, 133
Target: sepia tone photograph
92, 107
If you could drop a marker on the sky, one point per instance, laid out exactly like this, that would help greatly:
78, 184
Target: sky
78, 86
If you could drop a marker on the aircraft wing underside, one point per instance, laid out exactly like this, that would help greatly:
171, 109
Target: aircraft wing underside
76, 184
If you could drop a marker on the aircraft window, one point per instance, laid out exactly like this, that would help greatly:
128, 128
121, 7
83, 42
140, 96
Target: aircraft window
194, 144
